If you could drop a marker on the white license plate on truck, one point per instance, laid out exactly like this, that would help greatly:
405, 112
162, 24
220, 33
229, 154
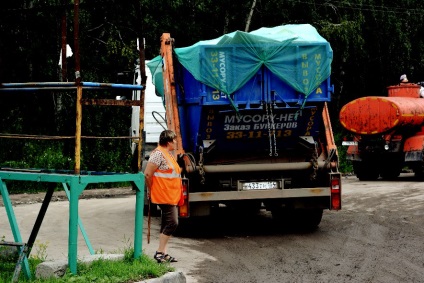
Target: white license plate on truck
263, 185
347, 143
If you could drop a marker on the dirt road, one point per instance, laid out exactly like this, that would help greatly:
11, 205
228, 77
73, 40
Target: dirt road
376, 237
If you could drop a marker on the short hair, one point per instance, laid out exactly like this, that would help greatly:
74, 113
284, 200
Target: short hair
166, 136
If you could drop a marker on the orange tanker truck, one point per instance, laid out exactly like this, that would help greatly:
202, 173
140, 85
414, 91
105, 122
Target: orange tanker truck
388, 133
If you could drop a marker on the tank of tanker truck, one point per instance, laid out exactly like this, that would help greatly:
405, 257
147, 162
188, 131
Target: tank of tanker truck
250, 110
388, 132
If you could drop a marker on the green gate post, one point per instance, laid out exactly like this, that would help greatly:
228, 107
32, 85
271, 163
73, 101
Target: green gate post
76, 189
138, 226
13, 223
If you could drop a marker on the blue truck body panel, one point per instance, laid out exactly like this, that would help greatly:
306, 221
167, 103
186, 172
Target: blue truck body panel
208, 114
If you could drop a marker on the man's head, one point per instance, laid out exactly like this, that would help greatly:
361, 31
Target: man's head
403, 79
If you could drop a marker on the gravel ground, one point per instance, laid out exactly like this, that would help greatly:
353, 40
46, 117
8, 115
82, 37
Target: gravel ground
376, 237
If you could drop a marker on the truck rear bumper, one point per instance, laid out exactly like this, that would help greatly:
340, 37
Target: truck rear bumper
259, 194
295, 166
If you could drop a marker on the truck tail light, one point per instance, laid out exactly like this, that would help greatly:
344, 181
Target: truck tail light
184, 210
336, 191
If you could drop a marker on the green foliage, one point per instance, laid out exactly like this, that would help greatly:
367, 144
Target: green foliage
373, 43
344, 165
42, 154
39, 251
127, 270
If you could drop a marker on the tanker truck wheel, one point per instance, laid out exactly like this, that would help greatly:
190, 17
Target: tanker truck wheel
365, 171
419, 171
390, 173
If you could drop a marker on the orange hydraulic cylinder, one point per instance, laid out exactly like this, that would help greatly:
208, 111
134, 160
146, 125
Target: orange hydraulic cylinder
376, 115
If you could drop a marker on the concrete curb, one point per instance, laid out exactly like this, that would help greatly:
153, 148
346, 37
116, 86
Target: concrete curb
57, 269
170, 277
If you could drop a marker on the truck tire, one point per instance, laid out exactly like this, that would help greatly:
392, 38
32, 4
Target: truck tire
154, 210
365, 171
298, 219
390, 174
419, 171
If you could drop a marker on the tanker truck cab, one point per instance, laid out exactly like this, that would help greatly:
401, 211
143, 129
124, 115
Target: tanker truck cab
388, 133
250, 135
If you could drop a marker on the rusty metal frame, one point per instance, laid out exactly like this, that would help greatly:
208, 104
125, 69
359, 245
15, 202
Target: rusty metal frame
79, 181
79, 85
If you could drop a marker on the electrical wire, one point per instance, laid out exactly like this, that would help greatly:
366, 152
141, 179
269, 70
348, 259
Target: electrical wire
365, 7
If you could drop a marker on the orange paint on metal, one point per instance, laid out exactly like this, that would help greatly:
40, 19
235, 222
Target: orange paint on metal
169, 89
404, 90
376, 115
415, 143
331, 145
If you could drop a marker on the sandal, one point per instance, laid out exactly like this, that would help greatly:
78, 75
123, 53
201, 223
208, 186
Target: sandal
160, 257
169, 258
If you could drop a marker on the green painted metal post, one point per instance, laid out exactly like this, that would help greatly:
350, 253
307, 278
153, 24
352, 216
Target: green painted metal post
82, 229
76, 189
13, 223
138, 227
77, 184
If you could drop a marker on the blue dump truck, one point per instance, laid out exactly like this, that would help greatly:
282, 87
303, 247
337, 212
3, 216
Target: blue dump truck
250, 111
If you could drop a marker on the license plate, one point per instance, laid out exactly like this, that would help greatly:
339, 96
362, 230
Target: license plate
349, 143
268, 185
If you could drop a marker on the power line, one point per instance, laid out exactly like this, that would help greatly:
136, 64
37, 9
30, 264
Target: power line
365, 7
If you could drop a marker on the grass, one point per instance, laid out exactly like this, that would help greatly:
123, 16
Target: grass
104, 271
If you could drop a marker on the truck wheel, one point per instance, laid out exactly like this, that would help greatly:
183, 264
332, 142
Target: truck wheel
390, 173
303, 219
154, 210
186, 227
365, 172
419, 171
308, 218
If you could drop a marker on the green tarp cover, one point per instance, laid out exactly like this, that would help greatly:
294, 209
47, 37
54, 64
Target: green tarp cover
296, 54
155, 67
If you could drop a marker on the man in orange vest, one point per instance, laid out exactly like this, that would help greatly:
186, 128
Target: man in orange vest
163, 179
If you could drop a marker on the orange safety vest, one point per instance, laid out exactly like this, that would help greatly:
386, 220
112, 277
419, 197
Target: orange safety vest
166, 184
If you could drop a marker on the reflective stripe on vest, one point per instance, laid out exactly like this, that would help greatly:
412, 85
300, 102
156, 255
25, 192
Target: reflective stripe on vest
166, 184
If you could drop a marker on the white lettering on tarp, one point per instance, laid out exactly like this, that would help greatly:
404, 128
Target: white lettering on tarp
222, 67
